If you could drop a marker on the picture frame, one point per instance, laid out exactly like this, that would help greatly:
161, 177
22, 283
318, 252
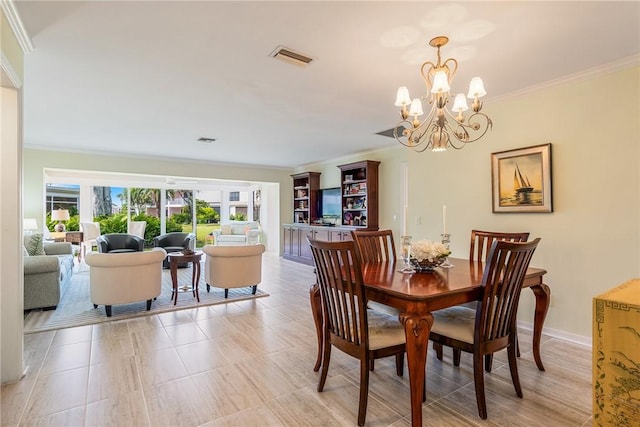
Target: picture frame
521, 180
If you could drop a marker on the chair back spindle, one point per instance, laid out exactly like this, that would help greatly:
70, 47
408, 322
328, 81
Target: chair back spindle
481, 242
375, 246
502, 283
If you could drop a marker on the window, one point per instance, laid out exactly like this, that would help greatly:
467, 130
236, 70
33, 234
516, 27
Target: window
62, 196
234, 196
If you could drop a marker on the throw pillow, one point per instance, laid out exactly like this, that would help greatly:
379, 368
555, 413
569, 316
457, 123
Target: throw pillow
225, 229
24, 251
34, 244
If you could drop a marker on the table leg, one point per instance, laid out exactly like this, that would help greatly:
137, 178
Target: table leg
542, 293
416, 329
174, 280
196, 280
316, 312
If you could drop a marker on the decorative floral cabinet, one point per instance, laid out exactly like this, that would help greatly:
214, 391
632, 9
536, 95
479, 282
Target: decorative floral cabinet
616, 356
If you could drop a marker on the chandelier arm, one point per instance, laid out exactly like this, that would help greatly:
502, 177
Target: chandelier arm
414, 137
420, 144
407, 133
426, 77
452, 72
470, 126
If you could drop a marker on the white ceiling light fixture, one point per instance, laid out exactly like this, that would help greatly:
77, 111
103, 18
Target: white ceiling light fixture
440, 128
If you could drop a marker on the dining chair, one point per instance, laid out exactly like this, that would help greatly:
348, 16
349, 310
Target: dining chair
481, 242
493, 325
376, 246
348, 325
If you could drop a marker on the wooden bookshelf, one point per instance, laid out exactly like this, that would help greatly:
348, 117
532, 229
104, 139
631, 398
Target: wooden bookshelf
305, 197
360, 194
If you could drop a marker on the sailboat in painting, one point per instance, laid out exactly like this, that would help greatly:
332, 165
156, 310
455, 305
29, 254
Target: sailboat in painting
521, 183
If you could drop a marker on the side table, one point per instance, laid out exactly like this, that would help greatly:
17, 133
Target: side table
176, 258
75, 237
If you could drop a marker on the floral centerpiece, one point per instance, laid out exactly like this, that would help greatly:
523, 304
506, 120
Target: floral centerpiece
427, 255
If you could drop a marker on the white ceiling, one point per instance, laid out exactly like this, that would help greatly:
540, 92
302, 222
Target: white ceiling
149, 78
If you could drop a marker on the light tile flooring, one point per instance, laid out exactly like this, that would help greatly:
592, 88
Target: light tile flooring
250, 364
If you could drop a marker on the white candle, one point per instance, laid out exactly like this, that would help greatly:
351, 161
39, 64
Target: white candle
444, 219
405, 202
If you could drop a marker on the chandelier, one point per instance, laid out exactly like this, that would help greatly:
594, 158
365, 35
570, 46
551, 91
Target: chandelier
441, 128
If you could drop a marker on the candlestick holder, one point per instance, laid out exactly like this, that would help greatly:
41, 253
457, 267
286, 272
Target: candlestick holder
446, 241
405, 254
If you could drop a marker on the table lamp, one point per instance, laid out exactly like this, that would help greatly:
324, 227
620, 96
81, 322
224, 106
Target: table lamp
28, 225
60, 215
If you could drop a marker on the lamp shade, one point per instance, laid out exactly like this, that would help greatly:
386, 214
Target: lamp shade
29, 224
460, 104
416, 107
476, 88
440, 82
402, 97
60, 215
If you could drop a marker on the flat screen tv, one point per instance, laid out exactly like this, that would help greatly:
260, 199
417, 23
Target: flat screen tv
331, 202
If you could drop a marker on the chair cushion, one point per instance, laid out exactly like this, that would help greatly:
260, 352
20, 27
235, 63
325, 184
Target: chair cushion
383, 308
455, 322
34, 244
173, 248
384, 330
121, 251
225, 230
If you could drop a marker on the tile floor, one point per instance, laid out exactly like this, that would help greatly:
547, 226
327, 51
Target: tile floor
250, 364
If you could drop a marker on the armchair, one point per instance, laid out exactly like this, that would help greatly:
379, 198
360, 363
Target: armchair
119, 243
175, 242
90, 232
123, 278
233, 266
137, 228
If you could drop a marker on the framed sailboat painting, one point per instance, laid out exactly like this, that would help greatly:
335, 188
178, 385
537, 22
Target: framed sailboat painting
521, 180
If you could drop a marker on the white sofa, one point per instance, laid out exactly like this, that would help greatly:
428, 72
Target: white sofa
237, 233
233, 266
121, 278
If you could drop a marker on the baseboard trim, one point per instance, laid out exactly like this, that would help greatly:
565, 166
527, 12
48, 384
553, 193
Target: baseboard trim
560, 334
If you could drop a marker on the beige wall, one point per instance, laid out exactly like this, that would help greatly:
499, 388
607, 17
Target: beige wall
590, 243
11, 277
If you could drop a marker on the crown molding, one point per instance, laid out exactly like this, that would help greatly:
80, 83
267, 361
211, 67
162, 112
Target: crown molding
590, 73
8, 70
10, 12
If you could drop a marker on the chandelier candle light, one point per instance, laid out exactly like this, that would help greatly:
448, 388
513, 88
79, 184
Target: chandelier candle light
435, 131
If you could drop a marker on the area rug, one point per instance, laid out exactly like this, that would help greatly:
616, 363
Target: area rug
76, 309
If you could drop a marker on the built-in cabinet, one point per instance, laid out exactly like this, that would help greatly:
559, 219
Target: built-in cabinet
359, 188
305, 197
296, 247
360, 194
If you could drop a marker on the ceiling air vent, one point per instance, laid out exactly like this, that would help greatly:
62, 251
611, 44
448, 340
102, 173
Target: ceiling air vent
207, 140
287, 55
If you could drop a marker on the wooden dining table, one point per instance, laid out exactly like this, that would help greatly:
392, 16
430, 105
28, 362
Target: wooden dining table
416, 295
